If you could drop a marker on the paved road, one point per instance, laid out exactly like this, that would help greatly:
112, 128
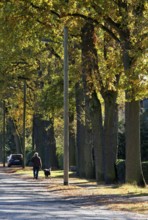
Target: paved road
22, 199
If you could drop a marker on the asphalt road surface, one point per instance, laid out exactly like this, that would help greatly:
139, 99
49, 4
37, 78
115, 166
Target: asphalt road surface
22, 199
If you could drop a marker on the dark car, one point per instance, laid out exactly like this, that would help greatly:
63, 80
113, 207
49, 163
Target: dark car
15, 159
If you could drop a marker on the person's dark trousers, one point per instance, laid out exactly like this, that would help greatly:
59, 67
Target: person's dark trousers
35, 172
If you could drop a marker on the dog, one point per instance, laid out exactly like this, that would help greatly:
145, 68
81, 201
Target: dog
47, 172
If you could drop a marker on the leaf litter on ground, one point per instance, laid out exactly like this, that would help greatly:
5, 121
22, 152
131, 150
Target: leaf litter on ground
116, 197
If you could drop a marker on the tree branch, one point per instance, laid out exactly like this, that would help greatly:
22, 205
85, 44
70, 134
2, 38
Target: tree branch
113, 24
99, 24
41, 8
110, 33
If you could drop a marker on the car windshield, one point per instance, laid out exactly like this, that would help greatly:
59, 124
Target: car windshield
16, 157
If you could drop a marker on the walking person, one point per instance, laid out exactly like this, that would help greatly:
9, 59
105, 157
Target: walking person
37, 164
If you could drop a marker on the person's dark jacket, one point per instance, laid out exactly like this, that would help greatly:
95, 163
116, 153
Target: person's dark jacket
36, 160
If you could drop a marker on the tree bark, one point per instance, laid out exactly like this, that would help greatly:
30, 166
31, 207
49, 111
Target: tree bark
14, 136
132, 128
110, 135
72, 142
134, 173
45, 141
80, 134
93, 122
97, 128
89, 148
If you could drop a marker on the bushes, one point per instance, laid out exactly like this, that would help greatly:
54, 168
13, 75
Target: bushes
145, 170
120, 167
143, 133
144, 136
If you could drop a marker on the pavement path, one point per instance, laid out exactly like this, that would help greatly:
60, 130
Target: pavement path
22, 199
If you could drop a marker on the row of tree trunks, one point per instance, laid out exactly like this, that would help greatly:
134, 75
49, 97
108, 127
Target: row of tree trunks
100, 139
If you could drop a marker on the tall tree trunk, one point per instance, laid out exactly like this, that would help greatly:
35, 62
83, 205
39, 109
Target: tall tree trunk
33, 129
94, 118
86, 36
80, 134
134, 172
89, 148
110, 135
132, 128
1, 144
52, 143
72, 142
14, 136
45, 141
